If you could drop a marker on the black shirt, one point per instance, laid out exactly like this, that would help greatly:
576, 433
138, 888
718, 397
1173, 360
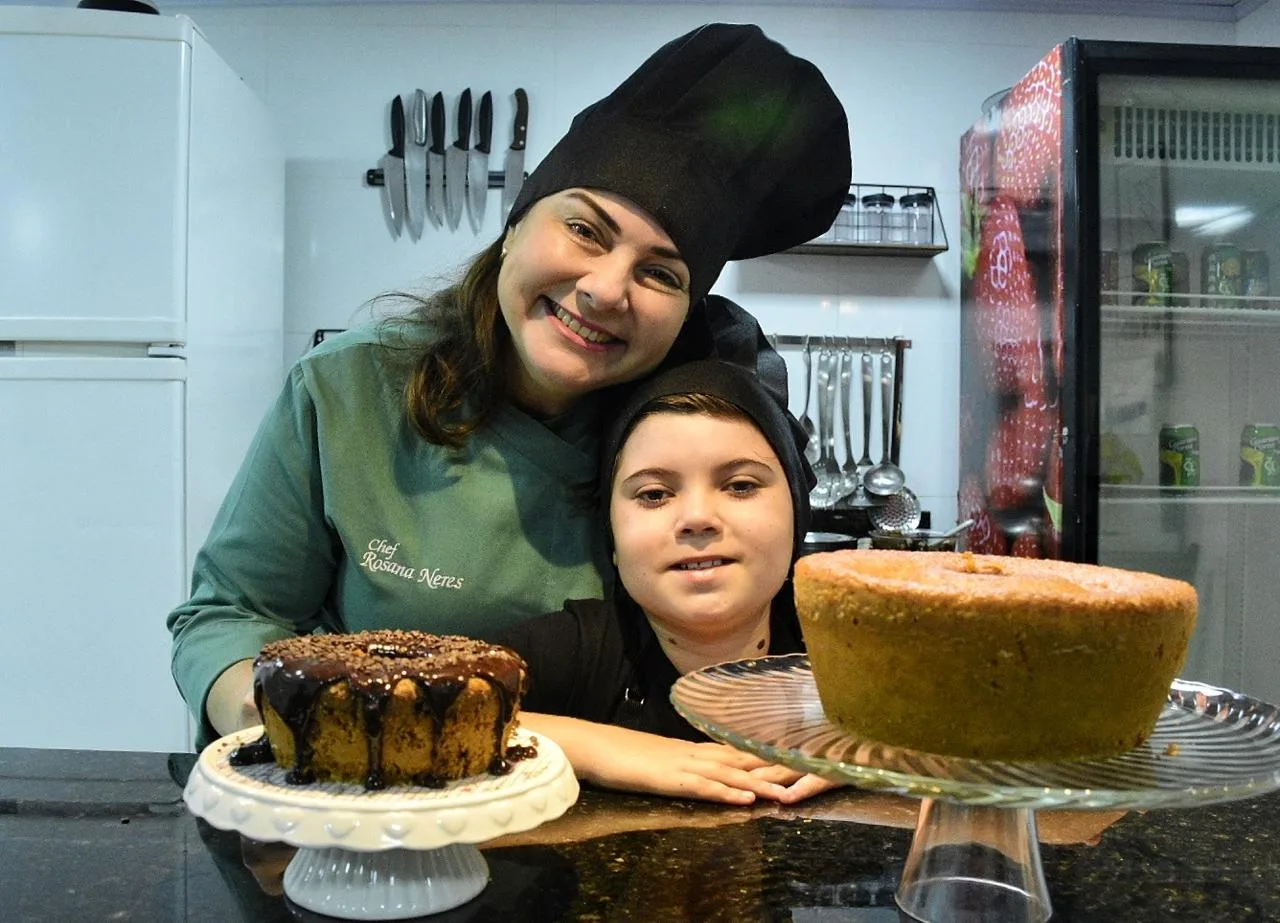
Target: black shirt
601, 661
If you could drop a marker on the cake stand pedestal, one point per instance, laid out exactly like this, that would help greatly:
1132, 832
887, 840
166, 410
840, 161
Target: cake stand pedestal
405, 851
975, 855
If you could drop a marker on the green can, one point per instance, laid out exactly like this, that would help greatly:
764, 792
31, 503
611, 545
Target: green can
1222, 273
1180, 278
1179, 455
1260, 455
1256, 283
1152, 274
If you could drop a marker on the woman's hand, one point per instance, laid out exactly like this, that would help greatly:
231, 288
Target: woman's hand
230, 704
619, 758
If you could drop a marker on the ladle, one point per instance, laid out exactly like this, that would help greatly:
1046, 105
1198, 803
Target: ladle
811, 448
858, 496
885, 478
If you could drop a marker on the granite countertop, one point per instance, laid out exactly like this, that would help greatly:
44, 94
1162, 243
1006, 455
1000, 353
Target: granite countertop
89, 836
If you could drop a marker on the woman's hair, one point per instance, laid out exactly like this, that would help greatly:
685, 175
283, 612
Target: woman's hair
456, 381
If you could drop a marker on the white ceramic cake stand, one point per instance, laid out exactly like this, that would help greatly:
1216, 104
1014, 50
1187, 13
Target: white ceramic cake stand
405, 851
975, 855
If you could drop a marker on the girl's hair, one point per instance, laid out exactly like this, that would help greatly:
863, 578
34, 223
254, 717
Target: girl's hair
687, 403
454, 383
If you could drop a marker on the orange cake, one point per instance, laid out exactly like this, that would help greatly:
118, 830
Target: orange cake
384, 708
991, 657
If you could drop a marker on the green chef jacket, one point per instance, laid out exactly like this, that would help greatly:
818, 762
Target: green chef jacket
342, 518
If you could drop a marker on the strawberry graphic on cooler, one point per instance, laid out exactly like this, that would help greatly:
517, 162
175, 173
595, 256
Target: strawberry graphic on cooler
975, 164
1029, 146
1026, 545
1017, 452
984, 536
968, 423
1006, 316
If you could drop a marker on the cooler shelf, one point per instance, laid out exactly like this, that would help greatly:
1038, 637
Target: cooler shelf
1152, 494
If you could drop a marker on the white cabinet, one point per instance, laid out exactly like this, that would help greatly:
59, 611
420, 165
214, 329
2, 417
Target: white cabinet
91, 551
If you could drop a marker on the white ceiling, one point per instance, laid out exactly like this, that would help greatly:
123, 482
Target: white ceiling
1214, 10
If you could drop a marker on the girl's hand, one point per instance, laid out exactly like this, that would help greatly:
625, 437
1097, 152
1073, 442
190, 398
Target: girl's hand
797, 785
620, 758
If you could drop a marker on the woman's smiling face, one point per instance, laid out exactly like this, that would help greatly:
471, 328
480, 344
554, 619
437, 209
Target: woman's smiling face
594, 293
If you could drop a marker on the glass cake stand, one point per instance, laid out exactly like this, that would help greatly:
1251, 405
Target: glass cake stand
975, 854
405, 851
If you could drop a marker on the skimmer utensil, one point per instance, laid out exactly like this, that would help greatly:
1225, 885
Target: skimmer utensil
900, 512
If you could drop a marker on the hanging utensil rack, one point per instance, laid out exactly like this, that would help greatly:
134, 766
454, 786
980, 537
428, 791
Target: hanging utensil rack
792, 340
855, 522
899, 345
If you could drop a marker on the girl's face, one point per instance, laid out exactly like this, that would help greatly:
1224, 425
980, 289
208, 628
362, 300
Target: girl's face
594, 293
702, 522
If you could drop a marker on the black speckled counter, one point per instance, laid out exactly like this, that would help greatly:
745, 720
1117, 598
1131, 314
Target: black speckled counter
94, 836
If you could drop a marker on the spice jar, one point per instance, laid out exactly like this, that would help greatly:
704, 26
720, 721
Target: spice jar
877, 217
917, 218
846, 221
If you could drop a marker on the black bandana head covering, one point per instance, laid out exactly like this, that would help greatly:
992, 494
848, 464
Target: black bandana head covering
735, 146
741, 388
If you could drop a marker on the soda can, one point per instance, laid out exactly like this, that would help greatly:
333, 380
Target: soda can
1179, 455
1260, 455
1152, 273
1221, 274
1257, 278
1180, 282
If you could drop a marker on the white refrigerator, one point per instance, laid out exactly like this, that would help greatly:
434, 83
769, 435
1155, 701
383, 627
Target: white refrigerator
141, 309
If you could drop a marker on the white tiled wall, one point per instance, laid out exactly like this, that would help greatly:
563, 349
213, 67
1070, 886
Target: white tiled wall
911, 81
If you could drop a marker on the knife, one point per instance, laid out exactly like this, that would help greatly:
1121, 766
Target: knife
514, 178
435, 162
393, 170
455, 166
415, 167
478, 162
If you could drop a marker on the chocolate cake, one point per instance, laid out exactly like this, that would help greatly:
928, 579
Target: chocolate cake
383, 708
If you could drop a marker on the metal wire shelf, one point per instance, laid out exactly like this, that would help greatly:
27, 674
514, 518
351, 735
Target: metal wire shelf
858, 231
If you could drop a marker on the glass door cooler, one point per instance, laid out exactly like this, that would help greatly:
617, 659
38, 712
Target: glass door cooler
1120, 383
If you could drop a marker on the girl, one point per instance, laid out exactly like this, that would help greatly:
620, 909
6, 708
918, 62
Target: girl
708, 504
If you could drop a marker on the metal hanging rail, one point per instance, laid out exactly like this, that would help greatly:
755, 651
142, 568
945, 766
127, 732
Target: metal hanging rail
778, 340
899, 345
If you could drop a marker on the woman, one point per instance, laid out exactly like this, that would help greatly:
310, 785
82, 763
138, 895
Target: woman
431, 473
708, 504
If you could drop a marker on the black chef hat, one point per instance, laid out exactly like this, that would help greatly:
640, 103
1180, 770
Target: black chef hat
740, 387
735, 146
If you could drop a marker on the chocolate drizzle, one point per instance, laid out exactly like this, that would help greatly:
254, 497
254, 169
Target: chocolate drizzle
291, 676
503, 764
252, 753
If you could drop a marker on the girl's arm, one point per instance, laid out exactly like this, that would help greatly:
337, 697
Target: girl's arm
620, 758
